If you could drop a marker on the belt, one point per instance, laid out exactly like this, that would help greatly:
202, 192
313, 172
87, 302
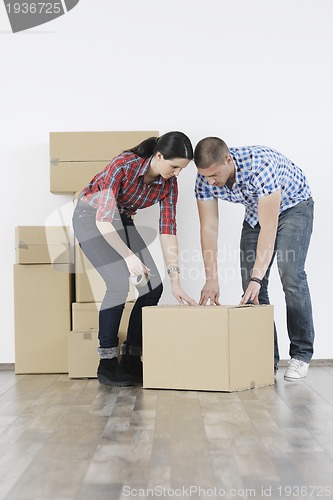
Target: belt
127, 217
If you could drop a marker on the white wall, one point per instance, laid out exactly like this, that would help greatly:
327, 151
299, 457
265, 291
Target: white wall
254, 72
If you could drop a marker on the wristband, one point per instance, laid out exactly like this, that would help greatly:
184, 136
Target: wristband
173, 268
257, 280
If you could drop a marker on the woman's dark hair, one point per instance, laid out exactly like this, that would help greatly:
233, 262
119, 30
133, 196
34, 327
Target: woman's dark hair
171, 145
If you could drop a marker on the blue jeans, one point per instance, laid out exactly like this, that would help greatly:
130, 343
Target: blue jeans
291, 247
114, 271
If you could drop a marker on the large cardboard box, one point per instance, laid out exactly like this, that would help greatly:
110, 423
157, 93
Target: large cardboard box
77, 156
43, 295
220, 348
42, 245
83, 343
89, 284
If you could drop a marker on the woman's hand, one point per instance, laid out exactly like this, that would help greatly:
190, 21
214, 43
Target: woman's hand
136, 267
181, 296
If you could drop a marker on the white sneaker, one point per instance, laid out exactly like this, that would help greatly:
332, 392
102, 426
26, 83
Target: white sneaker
297, 370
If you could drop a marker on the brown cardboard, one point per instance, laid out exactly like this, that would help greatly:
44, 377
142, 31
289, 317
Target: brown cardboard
72, 176
82, 354
42, 245
82, 344
85, 316
93, 146
77, 156
89, 284
42, 296
221, 348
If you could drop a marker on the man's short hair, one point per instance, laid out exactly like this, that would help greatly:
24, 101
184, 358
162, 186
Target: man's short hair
209, 151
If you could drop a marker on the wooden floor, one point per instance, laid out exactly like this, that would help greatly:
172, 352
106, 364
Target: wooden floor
65, 439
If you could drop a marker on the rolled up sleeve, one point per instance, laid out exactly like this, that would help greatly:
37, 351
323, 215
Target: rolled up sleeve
168, 224
202, 189
265, 176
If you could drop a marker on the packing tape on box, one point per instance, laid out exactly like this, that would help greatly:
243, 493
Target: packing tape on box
23, 244
140, 280
87, 335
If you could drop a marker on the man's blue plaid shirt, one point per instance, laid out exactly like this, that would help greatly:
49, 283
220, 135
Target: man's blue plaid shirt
259, 171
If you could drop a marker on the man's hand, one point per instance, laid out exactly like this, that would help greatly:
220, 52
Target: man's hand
251, 294
211, 293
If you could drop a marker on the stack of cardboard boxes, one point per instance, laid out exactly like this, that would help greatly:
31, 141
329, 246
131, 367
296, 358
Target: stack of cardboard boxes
56, 322
42, 294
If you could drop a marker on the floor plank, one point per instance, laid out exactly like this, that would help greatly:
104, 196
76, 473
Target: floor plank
64, 439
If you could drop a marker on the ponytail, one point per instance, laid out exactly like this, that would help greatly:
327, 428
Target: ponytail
145, 149
171, 145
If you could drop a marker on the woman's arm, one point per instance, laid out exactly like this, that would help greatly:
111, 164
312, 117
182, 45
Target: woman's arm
170, 250
134, 264
169, 241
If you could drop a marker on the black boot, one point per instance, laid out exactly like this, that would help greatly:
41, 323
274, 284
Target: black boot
135, 368
131, 364
110, 373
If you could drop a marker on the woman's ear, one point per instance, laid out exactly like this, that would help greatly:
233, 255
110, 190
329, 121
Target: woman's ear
159, 156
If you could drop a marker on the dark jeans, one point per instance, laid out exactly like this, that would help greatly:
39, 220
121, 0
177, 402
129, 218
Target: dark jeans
291, 246
114, 271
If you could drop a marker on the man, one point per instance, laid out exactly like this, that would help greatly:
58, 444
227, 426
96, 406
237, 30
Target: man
278, 222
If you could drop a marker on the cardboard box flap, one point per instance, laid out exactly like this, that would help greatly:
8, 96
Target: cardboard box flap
93, 146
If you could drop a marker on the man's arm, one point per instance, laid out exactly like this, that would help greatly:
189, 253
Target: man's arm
209, 222
268, 215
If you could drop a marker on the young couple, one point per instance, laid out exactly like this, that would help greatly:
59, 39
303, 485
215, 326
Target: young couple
278, 218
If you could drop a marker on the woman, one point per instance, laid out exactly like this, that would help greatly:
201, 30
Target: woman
103, 225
